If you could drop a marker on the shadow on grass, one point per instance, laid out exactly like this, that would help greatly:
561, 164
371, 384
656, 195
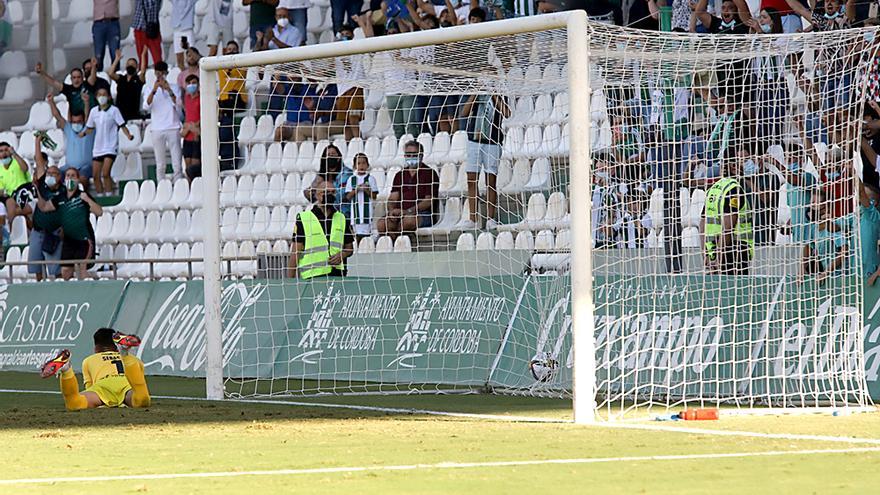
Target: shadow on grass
46, 410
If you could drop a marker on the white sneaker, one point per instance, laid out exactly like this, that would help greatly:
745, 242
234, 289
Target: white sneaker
466, 224
491, 224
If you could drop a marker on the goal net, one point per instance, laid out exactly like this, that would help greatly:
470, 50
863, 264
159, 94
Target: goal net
717, 208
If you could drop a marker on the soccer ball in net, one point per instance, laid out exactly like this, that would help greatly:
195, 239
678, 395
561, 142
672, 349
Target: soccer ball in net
543, 368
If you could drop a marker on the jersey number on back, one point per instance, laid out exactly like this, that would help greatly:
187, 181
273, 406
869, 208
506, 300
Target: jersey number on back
119, 367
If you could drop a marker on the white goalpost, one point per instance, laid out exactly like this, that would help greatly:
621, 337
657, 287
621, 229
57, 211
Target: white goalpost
544, 206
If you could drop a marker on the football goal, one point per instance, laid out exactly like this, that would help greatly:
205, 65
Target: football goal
543, 206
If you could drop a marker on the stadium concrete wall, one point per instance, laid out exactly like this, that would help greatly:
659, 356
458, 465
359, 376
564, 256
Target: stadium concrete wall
462, 330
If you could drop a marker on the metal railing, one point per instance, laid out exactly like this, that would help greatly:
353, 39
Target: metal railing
267, 265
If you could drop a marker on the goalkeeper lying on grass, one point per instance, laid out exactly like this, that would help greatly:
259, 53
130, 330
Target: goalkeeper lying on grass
112, 377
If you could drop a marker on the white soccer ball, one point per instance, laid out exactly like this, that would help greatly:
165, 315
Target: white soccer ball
543, 368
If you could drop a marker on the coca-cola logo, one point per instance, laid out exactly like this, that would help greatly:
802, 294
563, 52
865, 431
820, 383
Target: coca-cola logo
175, 336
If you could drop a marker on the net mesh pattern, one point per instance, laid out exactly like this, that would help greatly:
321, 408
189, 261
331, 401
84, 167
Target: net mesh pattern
729, 208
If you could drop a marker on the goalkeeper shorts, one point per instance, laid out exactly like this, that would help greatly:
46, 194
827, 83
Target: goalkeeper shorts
111, 390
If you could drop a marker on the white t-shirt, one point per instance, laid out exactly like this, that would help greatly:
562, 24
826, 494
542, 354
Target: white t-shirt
106, 125
222, 10
164, 113
295, 4
349, 72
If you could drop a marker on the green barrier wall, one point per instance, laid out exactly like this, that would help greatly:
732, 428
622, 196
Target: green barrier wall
437, 331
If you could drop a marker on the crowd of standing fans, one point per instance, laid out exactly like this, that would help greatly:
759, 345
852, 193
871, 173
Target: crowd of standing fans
626, 171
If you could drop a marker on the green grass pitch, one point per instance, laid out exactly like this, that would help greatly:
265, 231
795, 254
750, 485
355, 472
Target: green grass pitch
268, 448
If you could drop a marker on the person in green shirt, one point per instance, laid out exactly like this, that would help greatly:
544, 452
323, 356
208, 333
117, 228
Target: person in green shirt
13, 173
74, 209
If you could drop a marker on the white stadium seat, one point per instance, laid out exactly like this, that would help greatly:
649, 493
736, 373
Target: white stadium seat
12, 64
146, 195
485, 242
465, 242
384, 245
162, 199
152, 227
80, 36
402, 245
18, 90
39, 118
179, 194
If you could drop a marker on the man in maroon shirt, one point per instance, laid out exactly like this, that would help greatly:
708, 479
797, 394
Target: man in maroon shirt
414, 192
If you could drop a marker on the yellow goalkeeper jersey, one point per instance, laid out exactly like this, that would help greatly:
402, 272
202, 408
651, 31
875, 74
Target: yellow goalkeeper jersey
101, 365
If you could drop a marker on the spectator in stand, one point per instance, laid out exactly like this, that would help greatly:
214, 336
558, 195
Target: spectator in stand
45, 237
191, 131
349, 105
342, 12
129, 85
762, 189
73, 91
799, 187
183, 14
105, 121
13, 173
192, 67
73, 209
145, 23
322, 238
298, 10
414, 192
262, 17
361, 190
484, 114
333, 172
789, 21
163, 102
232, 97
105, 29
826, 255
219, 19
282, 35
831, 16
5, 28
728, 23
93, 83
78, 148
300, 99
314, 113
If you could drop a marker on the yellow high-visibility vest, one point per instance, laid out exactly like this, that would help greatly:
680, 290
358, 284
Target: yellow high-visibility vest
315, 259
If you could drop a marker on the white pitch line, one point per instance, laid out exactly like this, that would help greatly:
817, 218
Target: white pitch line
440, 465
524, 419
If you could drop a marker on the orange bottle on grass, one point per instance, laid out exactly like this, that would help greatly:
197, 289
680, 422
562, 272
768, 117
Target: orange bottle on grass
699, 414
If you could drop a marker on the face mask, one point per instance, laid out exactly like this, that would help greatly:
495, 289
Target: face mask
192, 88
71, 184
345, 38
750, 167
869, 37
6, 161
832, 16
131, 70
102, 100
411, 161
330, 199
766, 28
794, 167
727, 25
78, 127
445, 24
283, 22
51, 181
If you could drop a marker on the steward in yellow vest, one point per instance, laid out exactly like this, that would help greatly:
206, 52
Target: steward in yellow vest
322, 238
727, 226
